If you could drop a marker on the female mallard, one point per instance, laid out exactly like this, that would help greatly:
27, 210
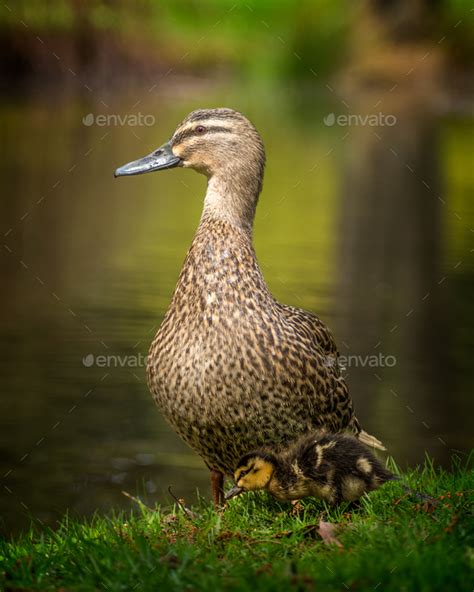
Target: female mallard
230, 368
332, 467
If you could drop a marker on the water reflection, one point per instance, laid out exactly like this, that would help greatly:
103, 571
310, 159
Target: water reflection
390, 264
344, 228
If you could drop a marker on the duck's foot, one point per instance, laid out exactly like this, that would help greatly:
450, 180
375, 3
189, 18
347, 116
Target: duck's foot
217, 488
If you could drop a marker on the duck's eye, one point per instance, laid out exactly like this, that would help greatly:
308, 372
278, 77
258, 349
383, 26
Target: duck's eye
200, 129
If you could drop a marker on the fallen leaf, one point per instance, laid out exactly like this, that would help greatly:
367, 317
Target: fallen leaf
297, 508
428, 507
326, 531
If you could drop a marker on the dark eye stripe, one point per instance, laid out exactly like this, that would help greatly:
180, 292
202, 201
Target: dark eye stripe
243, 473
180, 136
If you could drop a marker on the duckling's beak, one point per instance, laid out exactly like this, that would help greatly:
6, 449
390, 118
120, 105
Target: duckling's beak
236, 490
162, 158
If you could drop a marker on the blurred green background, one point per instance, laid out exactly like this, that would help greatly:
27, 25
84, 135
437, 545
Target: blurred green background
370, 225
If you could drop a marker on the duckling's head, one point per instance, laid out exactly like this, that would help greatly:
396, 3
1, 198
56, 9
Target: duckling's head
255, 471
223, 145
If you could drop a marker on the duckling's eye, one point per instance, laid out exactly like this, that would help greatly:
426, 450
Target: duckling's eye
200, 129
243, 473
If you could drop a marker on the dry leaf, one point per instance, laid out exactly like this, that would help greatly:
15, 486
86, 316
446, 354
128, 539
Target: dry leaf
326, 531
297, 508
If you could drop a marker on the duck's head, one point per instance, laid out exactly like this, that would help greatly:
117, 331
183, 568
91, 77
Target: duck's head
211, 141
255, 471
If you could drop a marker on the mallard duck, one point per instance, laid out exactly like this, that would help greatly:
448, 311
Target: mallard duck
332, 467
230, 367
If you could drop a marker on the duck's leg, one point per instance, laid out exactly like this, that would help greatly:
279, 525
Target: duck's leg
217, 488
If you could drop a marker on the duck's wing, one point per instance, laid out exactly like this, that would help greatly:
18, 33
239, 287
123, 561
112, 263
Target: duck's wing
314, 330
319, 346
317, 371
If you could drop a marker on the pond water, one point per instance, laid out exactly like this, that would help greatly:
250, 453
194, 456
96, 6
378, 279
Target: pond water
369, 226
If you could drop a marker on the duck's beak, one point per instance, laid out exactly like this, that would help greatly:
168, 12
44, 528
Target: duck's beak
236, 490
162, 158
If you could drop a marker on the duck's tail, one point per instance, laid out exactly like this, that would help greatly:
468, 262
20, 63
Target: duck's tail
369, 440
363, 436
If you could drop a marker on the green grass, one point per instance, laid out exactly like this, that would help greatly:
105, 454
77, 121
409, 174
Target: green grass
393, 541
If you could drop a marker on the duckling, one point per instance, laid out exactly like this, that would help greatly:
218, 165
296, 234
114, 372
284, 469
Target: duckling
230, 367
331, 467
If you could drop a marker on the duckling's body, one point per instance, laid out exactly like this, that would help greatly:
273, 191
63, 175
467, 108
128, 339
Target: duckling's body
230, 367
331, 467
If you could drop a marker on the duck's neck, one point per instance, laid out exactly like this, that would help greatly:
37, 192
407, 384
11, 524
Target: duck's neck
233, 199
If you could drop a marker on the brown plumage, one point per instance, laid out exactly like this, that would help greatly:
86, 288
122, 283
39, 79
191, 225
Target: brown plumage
332, 467
231, 368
